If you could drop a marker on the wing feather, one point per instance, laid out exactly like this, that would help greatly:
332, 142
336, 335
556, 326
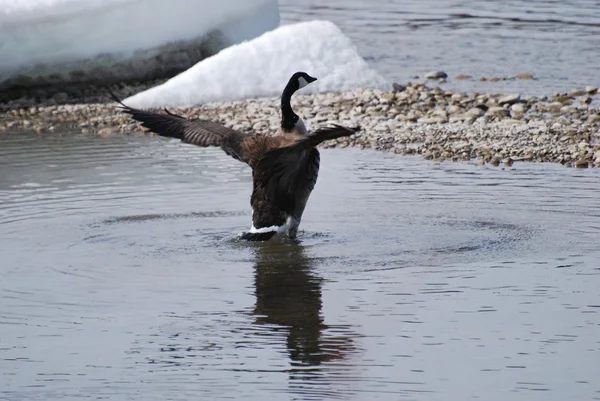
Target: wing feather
197, 132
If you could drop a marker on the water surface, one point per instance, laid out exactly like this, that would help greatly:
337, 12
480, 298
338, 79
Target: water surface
122, 278
557, 41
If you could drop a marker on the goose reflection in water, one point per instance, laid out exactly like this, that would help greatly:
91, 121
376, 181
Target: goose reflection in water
288, 294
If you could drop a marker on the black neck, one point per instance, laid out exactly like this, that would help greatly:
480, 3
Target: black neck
288, 117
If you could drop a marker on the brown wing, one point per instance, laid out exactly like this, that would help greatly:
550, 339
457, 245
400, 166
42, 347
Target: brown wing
197, 132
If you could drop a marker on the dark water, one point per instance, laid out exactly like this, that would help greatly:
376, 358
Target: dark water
557, 41
121, 278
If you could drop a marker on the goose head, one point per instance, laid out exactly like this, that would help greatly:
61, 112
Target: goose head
299, 80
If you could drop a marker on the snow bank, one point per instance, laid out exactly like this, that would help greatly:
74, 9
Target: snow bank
262, 67
51, 41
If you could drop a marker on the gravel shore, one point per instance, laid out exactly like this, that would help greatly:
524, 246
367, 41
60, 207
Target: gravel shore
411, 119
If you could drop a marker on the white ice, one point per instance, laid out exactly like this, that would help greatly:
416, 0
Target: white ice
262, 67
57, 37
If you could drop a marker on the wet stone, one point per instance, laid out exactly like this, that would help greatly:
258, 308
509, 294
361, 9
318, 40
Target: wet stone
524, 75
509, 99
436, 75
475, 112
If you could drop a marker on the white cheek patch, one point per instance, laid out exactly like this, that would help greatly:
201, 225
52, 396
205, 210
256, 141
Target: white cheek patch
302, 82
300, 127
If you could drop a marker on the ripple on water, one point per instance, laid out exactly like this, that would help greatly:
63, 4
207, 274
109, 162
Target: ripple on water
408, 280
407, 38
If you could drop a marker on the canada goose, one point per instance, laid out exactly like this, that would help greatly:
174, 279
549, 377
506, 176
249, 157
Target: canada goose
284, 167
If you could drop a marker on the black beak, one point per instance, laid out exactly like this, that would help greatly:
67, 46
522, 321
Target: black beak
310, 79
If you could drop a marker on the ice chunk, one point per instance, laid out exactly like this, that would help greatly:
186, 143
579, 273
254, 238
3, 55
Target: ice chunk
52, 41
262, 67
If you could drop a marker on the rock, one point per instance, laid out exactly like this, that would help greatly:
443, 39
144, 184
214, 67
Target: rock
593, 118
564, 99
103, 131
568, 110
518, 108
586, 99
482, 79
581, 163
397, 87
494, 79
577, 92
453, 109
386, 97
524, 75
474, 112
425, 95
463, 76
491, 103
591, 90
509, 99
480, 162
554, 106
436, 75
497, 112
440, 113
456, 96
508, 162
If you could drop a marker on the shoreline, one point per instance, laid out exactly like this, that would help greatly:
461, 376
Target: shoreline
411, 119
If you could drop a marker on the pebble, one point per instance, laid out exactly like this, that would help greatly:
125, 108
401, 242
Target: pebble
554, 106
474, 112
453, 109
577, 92
524, 75
509, 99
436, 75
463, 77
398, 87
518, 108
497, 111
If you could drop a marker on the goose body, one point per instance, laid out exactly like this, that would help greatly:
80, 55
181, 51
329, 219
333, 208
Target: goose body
285, 167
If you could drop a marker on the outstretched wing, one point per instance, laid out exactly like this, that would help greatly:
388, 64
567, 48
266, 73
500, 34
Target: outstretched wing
197, 132
286, 176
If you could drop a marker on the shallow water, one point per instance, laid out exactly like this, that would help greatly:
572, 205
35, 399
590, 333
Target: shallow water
122, 278
557, 41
